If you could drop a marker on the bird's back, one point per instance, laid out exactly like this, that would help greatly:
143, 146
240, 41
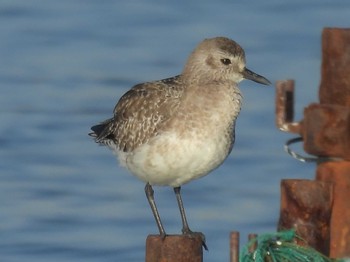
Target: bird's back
140, 114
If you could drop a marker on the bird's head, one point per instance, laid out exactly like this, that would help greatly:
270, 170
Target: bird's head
219, 59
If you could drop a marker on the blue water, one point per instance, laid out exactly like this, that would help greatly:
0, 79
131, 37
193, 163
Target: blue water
63, 66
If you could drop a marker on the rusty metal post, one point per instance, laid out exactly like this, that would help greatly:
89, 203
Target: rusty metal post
174, 248
306, 206
335, 86
338, 174
253, 247
234, 246
335, 92
325, 131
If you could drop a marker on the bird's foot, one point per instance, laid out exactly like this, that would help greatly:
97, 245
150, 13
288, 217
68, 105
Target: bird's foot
190, 233
163, 235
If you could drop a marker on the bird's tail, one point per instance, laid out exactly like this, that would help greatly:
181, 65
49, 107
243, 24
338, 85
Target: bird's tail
101, 131
97, 130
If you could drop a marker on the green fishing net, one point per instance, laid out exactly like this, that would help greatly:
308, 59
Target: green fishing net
280, 247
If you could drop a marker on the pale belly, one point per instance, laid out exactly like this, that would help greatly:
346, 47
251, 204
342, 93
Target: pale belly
173, 161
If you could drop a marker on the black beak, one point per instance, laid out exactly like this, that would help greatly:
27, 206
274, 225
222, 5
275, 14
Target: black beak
250, 75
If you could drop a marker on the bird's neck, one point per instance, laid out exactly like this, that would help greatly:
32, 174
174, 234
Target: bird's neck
214, 98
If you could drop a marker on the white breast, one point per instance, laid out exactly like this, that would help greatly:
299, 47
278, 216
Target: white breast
173, 161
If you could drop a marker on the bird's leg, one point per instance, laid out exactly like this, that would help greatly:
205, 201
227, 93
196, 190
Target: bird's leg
150, 197
185, 228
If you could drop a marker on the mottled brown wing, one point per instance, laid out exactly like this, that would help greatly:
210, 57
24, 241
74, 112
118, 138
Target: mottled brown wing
141, 112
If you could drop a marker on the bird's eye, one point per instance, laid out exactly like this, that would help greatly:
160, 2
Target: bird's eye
225, 61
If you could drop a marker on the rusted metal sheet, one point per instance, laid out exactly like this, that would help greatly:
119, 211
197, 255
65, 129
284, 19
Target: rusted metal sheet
285, 107
306, 206
174, 248
338, 174
326, 130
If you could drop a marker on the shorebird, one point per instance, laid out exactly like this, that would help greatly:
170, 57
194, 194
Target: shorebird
172, 131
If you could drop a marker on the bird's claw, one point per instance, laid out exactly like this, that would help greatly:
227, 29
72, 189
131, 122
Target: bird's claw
190, 233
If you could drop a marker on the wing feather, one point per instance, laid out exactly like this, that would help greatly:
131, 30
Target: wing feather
140, 114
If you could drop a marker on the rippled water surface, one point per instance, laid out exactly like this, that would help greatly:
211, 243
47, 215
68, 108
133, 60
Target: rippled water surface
63, 66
